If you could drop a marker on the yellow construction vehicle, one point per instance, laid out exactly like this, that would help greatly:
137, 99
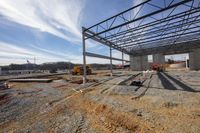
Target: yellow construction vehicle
78, 70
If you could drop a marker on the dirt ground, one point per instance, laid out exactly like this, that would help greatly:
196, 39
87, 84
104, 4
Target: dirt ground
165, 103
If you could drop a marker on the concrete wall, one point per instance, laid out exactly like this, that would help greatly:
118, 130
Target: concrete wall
139, 63
194, 59
178, 65
159, 58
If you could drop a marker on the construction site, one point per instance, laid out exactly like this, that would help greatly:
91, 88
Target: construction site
139, 96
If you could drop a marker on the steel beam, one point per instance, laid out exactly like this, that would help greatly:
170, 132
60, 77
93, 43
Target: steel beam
142, 17
157, 22
103, 56
142, 3
183, 47
89, 34
178, 31
156, 30
154, 39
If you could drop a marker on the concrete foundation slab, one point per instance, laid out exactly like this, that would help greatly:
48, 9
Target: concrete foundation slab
30, 80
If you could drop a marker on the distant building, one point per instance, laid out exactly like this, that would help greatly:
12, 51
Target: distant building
16, 72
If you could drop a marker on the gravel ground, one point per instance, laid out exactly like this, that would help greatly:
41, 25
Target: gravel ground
107, 107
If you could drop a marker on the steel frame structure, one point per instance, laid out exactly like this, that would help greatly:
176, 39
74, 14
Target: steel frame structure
150, 27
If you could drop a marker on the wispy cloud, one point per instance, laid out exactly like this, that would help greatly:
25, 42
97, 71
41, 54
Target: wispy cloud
61, 18
58, 17
11, 53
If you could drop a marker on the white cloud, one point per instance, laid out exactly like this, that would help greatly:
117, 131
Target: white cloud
11, 53
53, 53
58, 17
61, 18
6, 48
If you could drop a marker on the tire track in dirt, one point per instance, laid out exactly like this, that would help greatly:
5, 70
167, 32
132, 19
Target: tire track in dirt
105, 118
109, 126
80, 127
142, 90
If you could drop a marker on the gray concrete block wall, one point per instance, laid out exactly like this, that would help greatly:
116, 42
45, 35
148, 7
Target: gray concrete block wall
194, 59
139, 63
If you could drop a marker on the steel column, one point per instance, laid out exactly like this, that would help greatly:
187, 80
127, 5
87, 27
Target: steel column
84, 59
111, 71
122, 59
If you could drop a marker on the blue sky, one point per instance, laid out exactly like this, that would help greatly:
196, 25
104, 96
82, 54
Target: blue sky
50, 30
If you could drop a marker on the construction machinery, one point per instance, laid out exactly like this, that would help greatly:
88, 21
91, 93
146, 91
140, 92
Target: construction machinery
78, 70
158, 67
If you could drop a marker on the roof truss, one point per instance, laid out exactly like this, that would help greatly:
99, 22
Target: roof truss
148, 24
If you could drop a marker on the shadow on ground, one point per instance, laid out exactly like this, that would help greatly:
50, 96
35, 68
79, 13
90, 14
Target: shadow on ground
168, 85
